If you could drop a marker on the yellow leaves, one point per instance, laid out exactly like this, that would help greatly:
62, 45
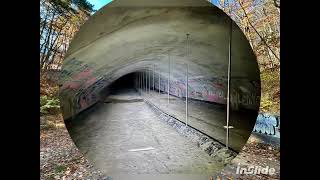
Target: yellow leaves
270, 91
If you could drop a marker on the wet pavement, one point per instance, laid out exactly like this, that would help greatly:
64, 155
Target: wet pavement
207, 117
124, 136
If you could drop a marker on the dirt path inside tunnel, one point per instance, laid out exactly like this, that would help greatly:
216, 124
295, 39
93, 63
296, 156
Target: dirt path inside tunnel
124, 136
207, 118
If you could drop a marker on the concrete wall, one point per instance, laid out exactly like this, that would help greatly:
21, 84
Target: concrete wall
211, 90
131, 35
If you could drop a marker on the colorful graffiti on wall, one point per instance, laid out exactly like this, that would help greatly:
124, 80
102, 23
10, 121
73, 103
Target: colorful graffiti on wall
268, 124
79, 87
211, 90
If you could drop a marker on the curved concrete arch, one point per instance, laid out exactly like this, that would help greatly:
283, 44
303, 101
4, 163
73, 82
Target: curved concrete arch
127, 36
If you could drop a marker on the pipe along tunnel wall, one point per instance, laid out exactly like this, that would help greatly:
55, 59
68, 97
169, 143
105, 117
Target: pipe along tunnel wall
127, 37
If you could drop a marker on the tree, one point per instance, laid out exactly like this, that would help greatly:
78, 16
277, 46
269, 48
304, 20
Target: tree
59, 21
259, 21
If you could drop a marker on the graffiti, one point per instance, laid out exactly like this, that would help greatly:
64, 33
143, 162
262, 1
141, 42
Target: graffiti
83, 102
90, 94
73, 66
85, 78
65, 73
80, 79
71, 85
90, 82
211, 90
215, 98
82, 75
71, 62
197, 95
249, 99
267, 124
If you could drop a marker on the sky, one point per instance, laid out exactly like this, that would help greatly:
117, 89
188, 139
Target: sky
97, 4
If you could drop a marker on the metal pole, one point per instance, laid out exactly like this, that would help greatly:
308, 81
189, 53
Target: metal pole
228, 92
135, 81
146, 80
149, 79
139, 81
168, 80
153, 78
159, 79
187, 80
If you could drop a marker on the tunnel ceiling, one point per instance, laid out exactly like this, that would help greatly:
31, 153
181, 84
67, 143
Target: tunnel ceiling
130, 35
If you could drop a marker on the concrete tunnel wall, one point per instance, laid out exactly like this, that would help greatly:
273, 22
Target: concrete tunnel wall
210, 90
130, 35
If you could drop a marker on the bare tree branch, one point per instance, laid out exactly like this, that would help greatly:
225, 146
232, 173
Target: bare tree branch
262, 39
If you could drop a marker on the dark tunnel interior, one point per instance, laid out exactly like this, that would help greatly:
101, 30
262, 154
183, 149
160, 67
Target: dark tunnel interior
124, 82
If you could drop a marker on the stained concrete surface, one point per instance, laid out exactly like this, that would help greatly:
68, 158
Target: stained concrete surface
208, 118
108, 132
121, 38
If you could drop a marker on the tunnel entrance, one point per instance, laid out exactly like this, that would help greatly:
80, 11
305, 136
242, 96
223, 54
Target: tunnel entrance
124, 135
122, 90
184, 77
124, 82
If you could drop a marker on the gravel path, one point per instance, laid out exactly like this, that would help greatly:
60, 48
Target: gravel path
60, 158
108, 135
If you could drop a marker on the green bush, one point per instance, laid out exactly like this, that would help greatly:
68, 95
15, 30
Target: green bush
49, 105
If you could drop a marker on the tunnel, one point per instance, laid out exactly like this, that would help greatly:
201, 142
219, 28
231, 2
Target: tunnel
139, 71
125, 82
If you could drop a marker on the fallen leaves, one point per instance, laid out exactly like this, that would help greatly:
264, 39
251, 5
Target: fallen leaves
59, 157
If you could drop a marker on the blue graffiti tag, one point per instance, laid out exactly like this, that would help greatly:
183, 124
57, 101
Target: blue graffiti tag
267, 124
